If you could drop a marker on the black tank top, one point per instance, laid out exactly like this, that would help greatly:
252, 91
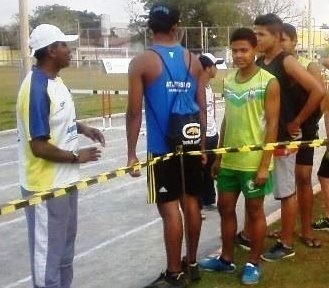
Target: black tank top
293, 99
288, 109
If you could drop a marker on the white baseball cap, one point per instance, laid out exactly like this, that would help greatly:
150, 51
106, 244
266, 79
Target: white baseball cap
213, 59
46, 34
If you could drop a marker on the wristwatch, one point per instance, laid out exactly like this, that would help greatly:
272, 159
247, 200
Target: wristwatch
75, 154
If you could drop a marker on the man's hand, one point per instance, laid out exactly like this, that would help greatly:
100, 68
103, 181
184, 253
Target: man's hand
215, 167
135, 172
262, 176
293, 128
88, 154
94, 134
204, 158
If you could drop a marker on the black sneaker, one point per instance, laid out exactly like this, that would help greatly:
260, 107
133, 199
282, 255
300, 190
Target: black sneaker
242, 242
278, 252
321, 224
191, 270
170, 281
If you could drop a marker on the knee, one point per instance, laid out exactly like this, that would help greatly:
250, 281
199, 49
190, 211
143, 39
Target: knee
225, 210
303, 181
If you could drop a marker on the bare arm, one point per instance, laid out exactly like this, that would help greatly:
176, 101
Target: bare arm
272, 111
325, 62
310, 84
201, 98
94, 134
134, 110
215, 166
43, 149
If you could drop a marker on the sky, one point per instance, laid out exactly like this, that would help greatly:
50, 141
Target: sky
117, 9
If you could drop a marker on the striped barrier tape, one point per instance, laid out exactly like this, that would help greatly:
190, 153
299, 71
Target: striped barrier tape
37, 198
98, 92
266, 147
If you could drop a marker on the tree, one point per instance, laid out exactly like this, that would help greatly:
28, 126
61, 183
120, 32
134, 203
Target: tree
283, 8
69, 21
212, 13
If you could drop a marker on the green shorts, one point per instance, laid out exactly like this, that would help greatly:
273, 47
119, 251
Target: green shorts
235, 181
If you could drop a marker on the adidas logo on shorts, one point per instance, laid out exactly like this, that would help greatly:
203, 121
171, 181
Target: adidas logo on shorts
163, 190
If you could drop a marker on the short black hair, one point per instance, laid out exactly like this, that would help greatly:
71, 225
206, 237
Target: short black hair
289, 30
163, 17
272, 21
41, 53
244, 34
205, 62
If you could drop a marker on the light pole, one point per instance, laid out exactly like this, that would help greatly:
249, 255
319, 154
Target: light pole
313, 50
24, 36
78, 30
309, 29
201, 28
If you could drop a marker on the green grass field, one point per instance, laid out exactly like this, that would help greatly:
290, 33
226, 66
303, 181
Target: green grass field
85, 77
308, 268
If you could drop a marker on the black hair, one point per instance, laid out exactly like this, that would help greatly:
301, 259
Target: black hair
244, 34
163, 17
205, 62
272, 21
41, 53
289, 30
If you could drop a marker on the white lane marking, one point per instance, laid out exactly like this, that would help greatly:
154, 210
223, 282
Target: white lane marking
8, 163
82, 198
9, 186
97, 247
117, 238
91, 164
83, 166
19, 282
16, 220
14, 146
270, 219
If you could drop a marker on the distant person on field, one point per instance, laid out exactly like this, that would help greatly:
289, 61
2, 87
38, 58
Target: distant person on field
208, 195
49, 157
252, 105
149, 76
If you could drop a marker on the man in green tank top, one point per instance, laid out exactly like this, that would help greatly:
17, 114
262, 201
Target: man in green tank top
252, 107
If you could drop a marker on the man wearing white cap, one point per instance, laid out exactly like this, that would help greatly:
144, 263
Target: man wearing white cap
49, 157
210, 66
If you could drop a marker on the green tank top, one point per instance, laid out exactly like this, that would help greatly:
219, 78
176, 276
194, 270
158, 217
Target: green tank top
245, 119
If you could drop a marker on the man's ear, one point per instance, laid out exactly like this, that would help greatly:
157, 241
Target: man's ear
51, 50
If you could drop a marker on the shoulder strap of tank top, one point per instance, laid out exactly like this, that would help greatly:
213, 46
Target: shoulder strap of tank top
172, 79
167, 68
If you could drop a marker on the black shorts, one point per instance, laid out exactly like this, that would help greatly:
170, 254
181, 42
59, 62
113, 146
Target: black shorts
324, 167
305, 156
164, 179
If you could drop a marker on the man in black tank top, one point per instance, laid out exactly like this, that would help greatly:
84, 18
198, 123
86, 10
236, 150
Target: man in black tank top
304, 157
323, 172
285, 67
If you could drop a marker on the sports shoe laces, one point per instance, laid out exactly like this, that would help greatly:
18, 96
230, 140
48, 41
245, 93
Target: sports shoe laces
251, 269
181, 274
322, 220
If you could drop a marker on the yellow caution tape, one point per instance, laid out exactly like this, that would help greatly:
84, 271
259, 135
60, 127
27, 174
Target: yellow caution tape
37, 198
